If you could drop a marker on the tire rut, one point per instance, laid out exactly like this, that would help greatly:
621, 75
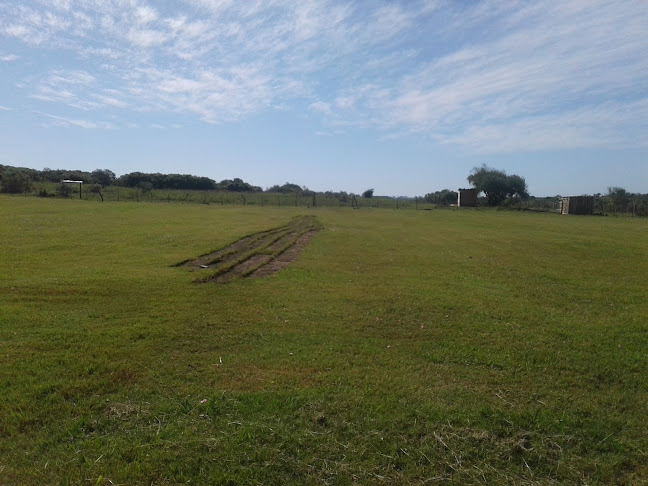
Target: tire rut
257, 255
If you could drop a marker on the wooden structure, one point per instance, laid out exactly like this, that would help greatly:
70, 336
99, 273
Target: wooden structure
577, 205
467, 198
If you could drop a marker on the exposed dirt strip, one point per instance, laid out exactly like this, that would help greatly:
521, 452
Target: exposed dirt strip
256, 255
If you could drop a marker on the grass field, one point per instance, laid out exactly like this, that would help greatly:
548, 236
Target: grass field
401, 347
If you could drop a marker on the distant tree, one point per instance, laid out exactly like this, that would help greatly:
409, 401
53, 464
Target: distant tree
96, 189
205, 184
145, 186
619, 198
497, 185
368, 193
103, 177
237, 185
618, 194
287, 188
64, 190
132, 179
77, 175
15, 182
443, 197
168, 181
52, 175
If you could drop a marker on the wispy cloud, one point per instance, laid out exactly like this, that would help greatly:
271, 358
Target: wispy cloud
68, 87
9, 58
557, 77
31, 25
64, 122
603, 126
503, 77
108, 99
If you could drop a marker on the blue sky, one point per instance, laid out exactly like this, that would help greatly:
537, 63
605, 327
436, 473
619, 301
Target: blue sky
401, 96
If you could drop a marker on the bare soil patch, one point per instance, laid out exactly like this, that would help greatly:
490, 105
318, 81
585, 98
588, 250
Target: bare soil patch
257, 255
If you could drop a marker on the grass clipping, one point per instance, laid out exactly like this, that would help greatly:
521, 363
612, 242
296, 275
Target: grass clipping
257, 255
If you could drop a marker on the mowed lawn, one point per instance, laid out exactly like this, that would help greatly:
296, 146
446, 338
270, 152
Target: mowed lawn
401, 347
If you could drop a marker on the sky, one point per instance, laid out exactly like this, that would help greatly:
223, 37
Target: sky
405, 97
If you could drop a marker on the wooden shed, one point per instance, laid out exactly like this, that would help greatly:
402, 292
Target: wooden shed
577, 205
467, 198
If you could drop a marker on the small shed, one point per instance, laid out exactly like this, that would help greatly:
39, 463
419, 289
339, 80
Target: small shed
577, 205
467, 198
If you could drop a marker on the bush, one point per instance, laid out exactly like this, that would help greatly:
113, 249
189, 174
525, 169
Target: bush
15, 183
64, 190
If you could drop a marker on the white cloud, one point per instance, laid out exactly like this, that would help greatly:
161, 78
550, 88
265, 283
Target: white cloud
61, 4
110, 101
592, 127
47, 93
71, 78
320, 107
17, 30
181, 85
145, 15
9, 58
146, 38
72, 88
30, 25
545, 84
213, 5
505, 76
64, 122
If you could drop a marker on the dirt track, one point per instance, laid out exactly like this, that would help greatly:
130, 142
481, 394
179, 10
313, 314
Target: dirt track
256, 255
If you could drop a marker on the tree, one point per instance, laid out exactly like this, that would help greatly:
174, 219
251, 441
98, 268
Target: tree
368, 193
15, 182
497, 185
168, 181
77, 175
287, 188
619, 198
517, 186
443, 197
96, 189
237, 185
103, 177
145, 187
64, 190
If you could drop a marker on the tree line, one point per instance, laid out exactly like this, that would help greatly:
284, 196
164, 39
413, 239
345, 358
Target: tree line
498, 188
16, 180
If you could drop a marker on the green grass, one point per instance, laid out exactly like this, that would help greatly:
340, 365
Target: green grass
459, 347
